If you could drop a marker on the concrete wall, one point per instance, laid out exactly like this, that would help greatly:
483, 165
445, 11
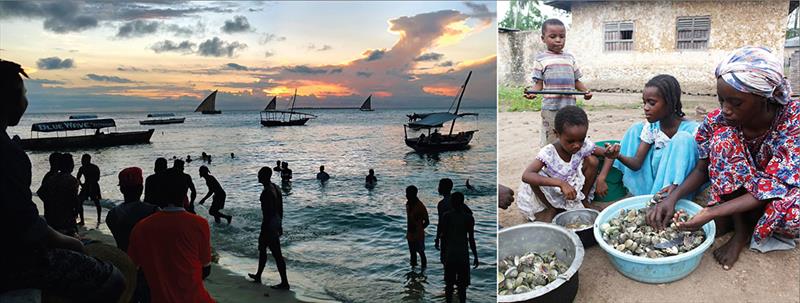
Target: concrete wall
794, 72
733, 24
515, 53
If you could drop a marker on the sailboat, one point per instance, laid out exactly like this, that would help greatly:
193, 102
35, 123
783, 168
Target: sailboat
272, 117
208, 106
436, 141
367, 106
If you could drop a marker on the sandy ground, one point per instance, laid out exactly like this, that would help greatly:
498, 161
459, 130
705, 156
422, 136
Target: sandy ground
224, 285
756, 277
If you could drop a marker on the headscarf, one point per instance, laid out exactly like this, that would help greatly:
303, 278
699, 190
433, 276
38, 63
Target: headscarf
757, 71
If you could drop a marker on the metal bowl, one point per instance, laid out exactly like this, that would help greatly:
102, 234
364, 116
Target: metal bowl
584, 215
542, 238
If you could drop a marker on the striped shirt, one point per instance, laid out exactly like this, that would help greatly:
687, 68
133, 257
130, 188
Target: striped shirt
558, 72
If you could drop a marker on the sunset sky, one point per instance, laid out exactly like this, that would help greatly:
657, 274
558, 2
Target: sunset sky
85, 56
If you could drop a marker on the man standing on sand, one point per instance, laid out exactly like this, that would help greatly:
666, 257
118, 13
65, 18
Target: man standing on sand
271, 229
153, 189
417, 216
90, 188
215, 189
173, 248
458, 229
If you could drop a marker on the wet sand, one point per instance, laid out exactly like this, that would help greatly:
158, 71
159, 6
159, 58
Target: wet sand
756, 277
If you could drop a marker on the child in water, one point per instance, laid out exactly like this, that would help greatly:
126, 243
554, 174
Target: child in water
563, 174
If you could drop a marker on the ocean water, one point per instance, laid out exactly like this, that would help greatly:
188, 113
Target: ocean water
341, 241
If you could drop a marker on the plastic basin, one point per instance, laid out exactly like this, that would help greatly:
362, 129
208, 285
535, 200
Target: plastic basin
542, 238
661, 270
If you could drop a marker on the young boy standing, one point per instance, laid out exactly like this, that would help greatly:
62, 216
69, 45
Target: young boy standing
555, 70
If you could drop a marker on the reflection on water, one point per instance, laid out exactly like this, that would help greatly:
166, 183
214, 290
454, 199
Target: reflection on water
345, 241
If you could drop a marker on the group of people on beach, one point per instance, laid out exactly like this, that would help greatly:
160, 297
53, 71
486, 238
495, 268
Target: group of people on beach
747, 151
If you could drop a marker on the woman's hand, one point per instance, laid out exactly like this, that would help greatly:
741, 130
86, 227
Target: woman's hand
667, 190
569, 192
695, 222
661, 214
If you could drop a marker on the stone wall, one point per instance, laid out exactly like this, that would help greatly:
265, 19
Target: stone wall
733, 24
515, 53
794, 72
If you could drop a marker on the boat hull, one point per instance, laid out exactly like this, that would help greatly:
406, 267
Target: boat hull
366, 110
162, 121
211, 112
459, 141
271, 123
101, 140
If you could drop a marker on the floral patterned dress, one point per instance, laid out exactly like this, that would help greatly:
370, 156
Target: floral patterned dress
767, 167
555, 167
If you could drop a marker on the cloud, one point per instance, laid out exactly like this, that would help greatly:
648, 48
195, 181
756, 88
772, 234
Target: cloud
374, 54
124, 68
445, 64
268, 54
137, 28
268, 37
185, 47
429, 57
217, 48
364, 74
312, 46
235, 66
304, 69
481, 11
45, 81
59, 17
336, 70
186, 30
132, 11
55, 63
114, 79
237, 25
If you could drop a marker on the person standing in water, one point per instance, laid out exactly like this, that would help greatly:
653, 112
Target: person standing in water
322, 176
90, 188
417, 216
277, 167
371, 180
458, 230
271, 229
215, 189
286, 173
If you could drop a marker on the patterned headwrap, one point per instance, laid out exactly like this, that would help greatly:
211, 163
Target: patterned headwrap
757, 71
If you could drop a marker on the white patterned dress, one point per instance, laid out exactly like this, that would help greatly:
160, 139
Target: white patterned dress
555, 167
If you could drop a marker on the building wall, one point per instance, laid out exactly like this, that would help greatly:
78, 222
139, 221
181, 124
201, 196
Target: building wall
733, 24
515, 53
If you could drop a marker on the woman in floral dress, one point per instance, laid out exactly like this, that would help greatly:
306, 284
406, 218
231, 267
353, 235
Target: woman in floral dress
750, 151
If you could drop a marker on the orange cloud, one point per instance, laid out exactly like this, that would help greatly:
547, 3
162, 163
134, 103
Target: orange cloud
310, 87
441, 90
155, 94
382, 94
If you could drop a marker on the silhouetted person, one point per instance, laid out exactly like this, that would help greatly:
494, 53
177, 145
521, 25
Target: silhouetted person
153, 188
469, 186
232, 156
371, 180
271, 229
444, 189
188, 202
90, 188
277, 167
458, 229
53, 159
122, 218
286, 173
417, 221
34, 255
188, 158
209, 159
215, 189
204, 157
60, 197
173, 248
505, 196
322, 176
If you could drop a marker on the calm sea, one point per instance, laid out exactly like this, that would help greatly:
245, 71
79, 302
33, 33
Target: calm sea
342, 241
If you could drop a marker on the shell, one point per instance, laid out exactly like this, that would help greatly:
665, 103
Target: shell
628, 233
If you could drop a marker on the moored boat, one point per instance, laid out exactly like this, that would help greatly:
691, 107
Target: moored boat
165, 118
367, 105
271, 117
98, 139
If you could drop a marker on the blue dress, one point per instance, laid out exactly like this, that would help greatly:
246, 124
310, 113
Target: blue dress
668, 161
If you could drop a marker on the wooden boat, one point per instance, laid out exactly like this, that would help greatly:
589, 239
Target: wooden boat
79, 117
435, 141
208, 106
367, 106
272, 117
98, 139
168, 118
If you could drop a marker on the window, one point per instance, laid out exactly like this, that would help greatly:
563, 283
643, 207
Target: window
618, 36
692, 32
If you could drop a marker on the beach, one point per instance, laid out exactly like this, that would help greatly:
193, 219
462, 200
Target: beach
756, 277
342, 241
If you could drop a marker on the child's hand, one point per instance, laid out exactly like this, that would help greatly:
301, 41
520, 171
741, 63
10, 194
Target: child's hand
612, 151
601, 188
587, 95
569, 192
529, 96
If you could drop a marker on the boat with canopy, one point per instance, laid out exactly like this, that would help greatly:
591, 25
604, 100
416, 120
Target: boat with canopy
272, 117
96, 139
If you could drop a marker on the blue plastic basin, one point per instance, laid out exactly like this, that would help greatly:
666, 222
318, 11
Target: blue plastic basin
661, 270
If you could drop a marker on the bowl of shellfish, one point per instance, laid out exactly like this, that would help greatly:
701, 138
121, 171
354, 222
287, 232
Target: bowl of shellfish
538, 262
580, 221
646, 254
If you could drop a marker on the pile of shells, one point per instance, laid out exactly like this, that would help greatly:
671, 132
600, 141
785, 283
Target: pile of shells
521, 274
628, 233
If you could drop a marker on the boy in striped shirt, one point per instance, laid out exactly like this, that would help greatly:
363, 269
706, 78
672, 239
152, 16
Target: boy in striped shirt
555, 70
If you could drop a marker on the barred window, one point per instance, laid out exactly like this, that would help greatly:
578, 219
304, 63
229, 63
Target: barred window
692, 32
618, 36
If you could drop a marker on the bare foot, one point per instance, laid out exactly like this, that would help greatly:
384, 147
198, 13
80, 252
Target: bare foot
546, 215
728, 253
256, 279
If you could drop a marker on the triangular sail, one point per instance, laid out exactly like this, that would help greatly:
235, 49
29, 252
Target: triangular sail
209, 104
272, 104
367, 103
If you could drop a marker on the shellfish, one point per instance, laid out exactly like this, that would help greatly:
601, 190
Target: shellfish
528, 272
628, 233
